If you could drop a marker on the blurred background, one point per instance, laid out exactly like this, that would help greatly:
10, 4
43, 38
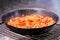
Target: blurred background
8, 5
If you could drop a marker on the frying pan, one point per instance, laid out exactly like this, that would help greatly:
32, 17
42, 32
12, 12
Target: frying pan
28, 11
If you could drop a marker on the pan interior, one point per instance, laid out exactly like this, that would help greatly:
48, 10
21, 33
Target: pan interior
19, 13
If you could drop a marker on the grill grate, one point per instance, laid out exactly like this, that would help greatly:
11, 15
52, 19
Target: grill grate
5, 33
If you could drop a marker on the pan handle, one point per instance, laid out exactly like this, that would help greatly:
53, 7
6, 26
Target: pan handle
1, 22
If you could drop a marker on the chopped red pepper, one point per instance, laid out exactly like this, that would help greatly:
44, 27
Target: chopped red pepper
32, 21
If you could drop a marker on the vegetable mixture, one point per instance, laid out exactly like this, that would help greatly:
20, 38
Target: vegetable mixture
31, 21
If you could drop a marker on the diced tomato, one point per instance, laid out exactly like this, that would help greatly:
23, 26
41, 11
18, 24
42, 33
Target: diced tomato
33, 21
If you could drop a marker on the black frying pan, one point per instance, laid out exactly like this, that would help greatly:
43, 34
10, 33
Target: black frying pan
28, 11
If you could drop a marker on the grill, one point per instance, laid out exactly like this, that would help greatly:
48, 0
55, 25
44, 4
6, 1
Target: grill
6, 34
